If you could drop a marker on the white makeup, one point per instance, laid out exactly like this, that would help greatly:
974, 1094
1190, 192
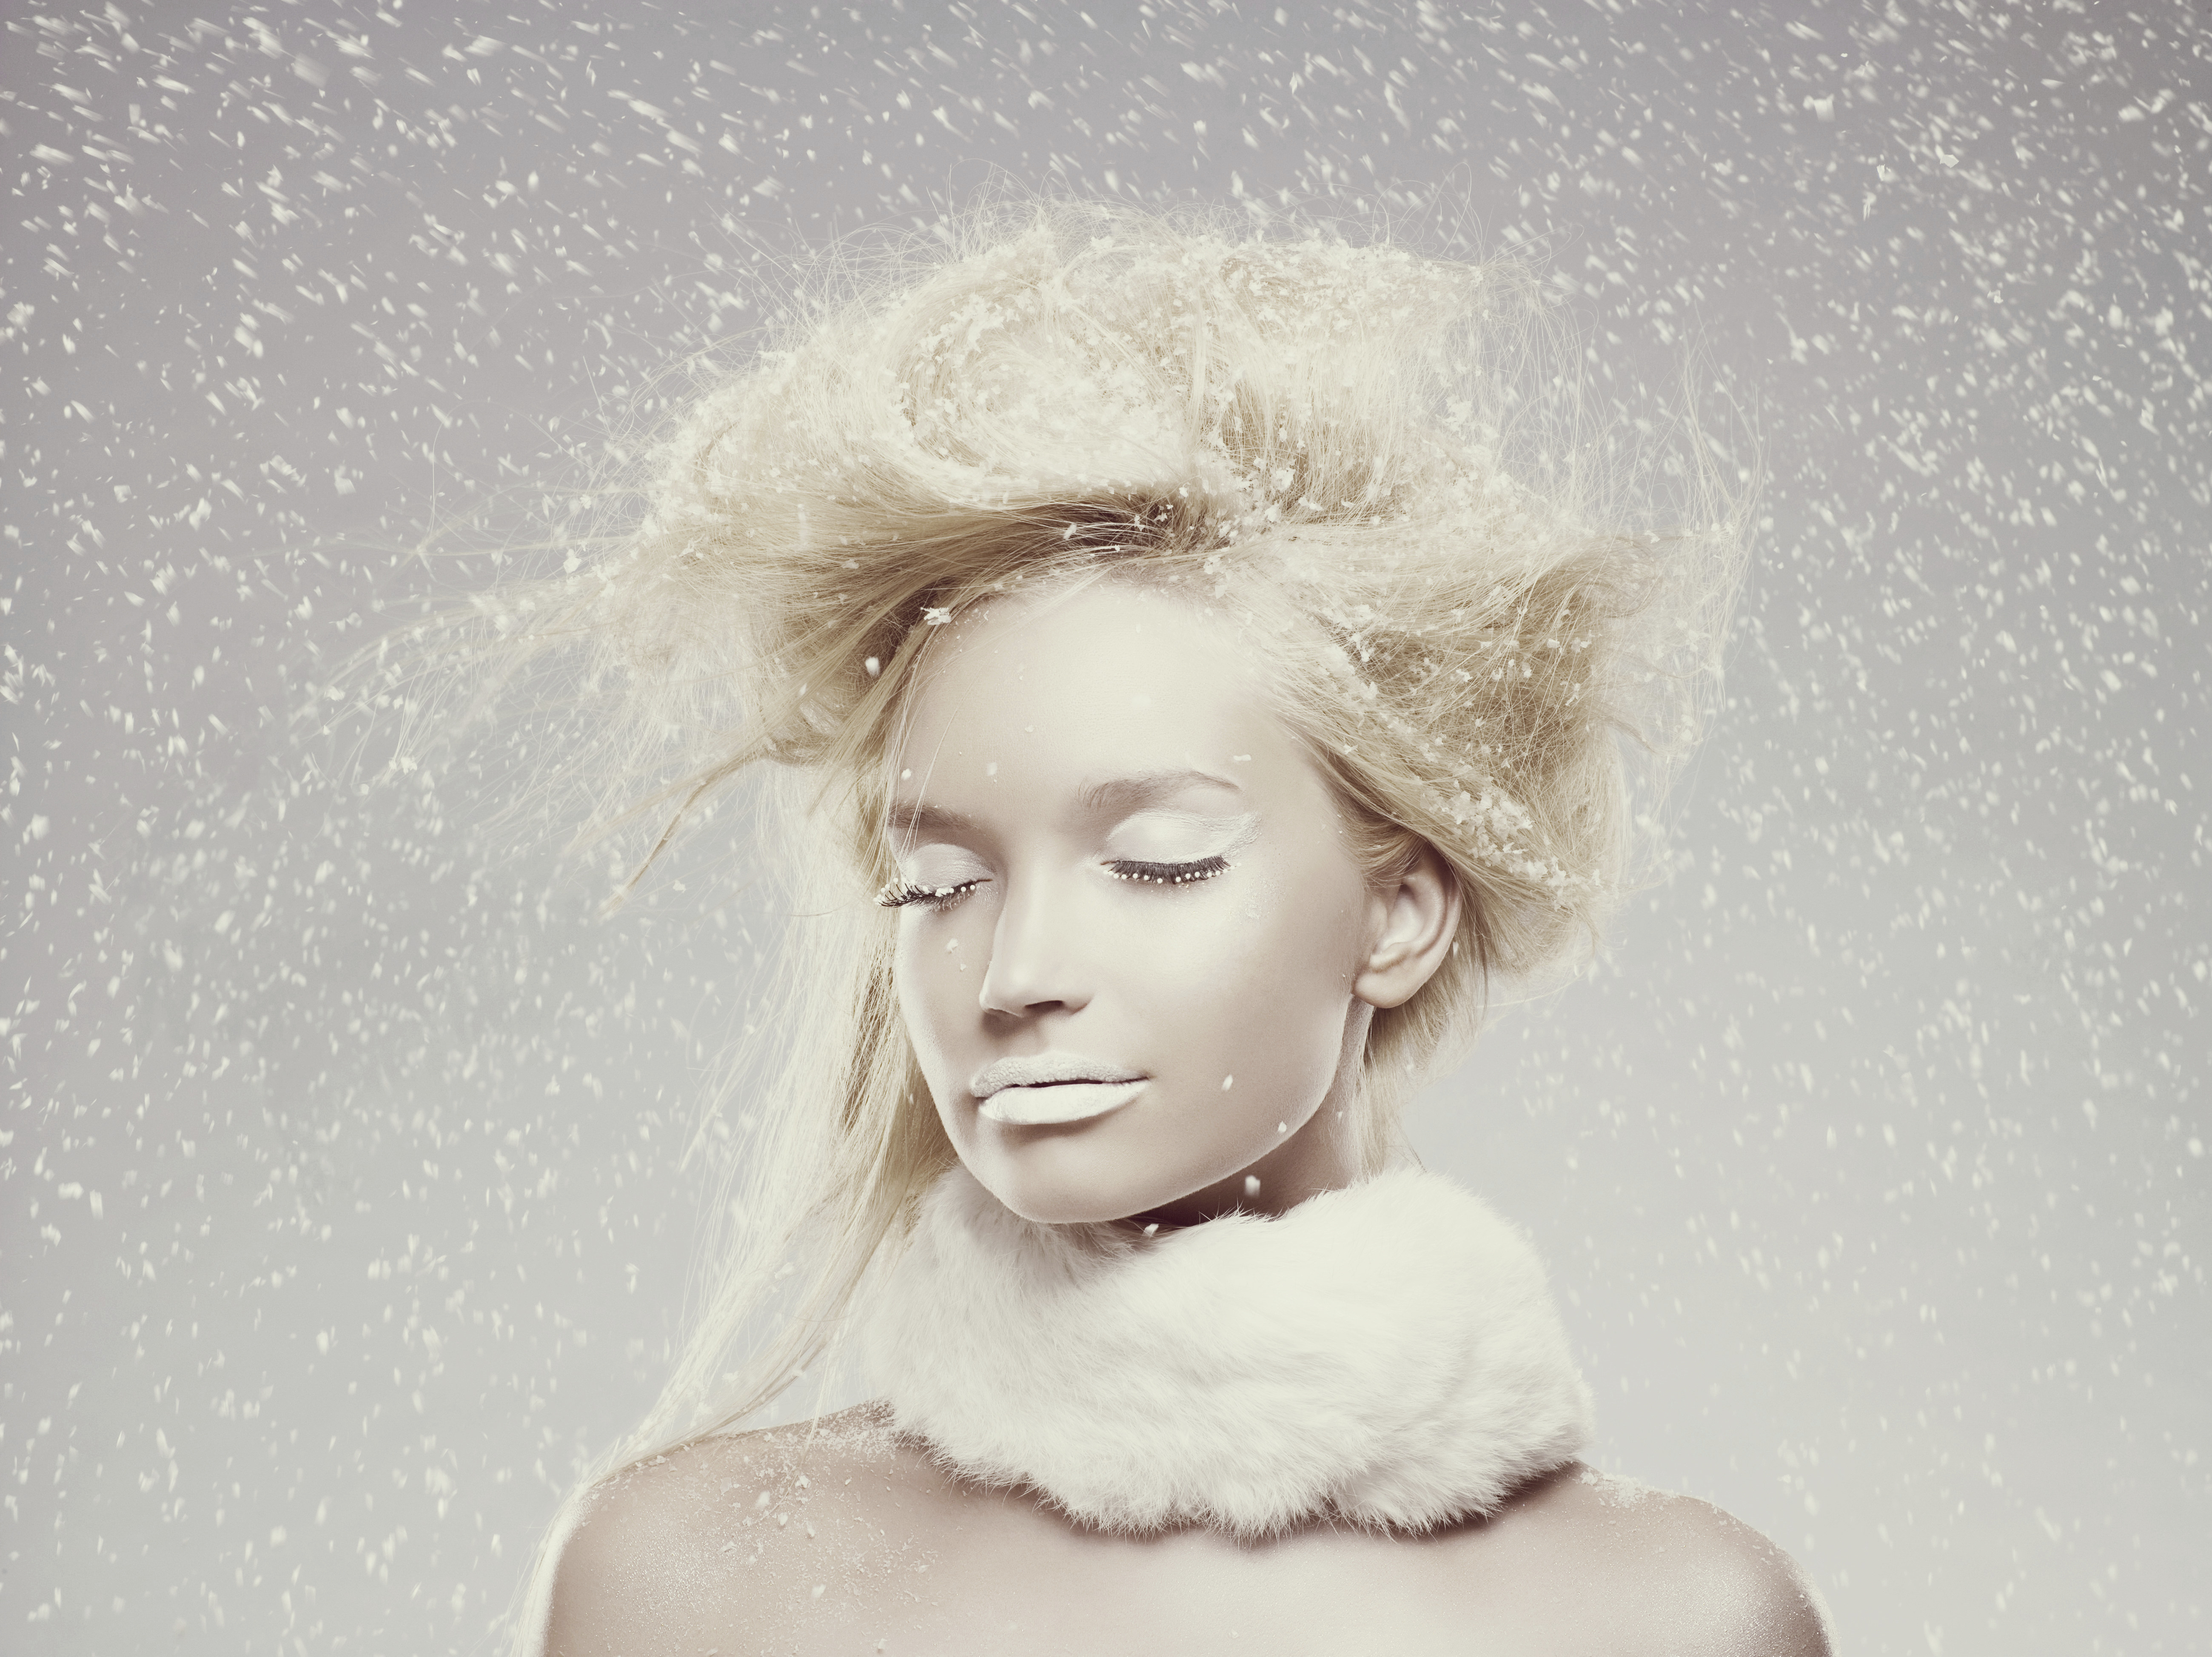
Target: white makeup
1164, 836
1051, 1088
1058, 1105
1155, 845
1119, 880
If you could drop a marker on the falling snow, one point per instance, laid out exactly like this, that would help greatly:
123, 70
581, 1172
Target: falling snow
343, 1143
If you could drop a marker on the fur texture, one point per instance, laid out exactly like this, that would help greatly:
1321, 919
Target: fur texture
1386, 1355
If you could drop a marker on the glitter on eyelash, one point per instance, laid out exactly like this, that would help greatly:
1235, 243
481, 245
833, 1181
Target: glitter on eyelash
893, 893
1203, 871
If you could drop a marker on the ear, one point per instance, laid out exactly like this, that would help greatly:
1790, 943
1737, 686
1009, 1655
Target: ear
1415, 919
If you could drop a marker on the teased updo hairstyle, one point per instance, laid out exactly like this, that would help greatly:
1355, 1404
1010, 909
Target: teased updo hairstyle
1347, 453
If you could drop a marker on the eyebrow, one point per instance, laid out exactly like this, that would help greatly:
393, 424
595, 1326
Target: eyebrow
1148, 788
910, 821
917, 820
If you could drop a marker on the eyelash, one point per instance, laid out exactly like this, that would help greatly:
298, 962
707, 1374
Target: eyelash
1166, 874
896, 895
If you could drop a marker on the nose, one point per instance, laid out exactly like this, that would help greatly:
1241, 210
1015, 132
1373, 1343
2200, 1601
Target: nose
1034, 966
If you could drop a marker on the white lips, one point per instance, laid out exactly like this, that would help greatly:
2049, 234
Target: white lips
1037, 1089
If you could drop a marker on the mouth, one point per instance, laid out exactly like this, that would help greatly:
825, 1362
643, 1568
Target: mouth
1046, 1089
1056, 1102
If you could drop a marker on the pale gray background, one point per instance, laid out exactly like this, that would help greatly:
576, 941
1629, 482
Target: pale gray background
338, 1143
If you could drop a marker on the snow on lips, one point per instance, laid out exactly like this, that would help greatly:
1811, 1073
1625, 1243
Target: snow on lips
1034, 1089
1054, 1103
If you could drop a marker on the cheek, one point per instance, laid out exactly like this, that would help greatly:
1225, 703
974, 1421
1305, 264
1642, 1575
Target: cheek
921, 975
1300, 933
1260, 992
938, 968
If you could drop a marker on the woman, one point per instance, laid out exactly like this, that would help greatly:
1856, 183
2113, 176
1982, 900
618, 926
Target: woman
1150, 617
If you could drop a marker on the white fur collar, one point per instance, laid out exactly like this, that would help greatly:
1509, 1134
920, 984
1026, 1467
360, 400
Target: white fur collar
1386, 1355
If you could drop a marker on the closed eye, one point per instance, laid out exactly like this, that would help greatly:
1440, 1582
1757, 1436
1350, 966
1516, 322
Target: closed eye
1166, 874
898, 894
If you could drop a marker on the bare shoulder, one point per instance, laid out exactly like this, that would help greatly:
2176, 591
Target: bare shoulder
736, 1536
1643, 1571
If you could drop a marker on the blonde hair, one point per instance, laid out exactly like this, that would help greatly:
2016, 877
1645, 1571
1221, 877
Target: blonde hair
1337, 448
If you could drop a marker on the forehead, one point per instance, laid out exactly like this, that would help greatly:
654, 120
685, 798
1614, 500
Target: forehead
1095, 679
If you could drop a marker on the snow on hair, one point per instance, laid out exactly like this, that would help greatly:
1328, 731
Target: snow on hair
1337, 450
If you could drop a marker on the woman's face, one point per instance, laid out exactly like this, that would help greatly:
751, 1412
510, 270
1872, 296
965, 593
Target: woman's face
1131, 962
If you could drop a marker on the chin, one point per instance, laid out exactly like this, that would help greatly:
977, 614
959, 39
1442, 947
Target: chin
1053, 1180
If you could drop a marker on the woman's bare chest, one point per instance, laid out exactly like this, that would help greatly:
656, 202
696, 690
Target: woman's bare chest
979, 1589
